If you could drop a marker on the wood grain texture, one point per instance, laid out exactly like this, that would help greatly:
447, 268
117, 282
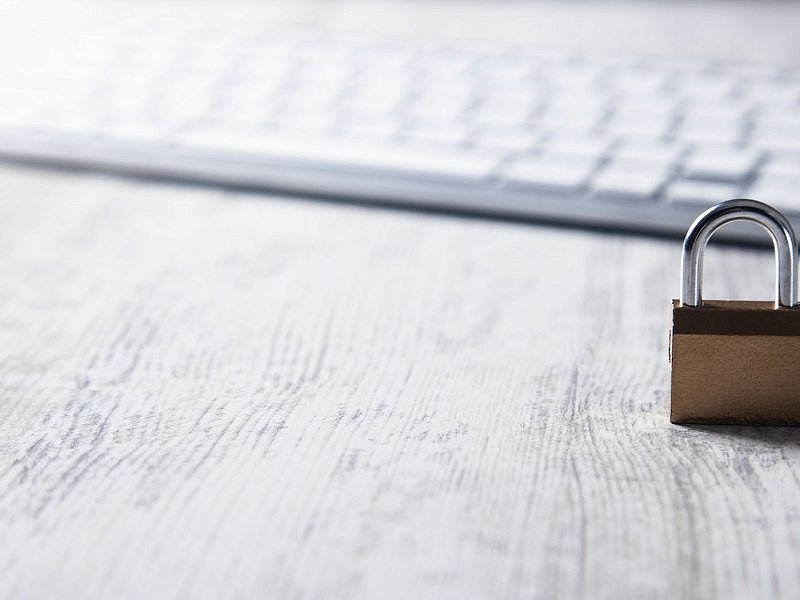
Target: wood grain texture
213, 395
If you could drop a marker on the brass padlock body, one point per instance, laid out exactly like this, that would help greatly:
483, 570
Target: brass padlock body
735, 363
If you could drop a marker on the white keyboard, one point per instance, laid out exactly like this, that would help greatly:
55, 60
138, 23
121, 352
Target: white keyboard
637, 143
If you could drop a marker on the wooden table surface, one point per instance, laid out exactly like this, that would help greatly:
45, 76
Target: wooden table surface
209, 394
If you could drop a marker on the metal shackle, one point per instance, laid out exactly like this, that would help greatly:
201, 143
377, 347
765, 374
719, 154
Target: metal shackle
703, 228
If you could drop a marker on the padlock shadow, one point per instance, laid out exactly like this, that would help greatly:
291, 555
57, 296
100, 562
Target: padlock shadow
777, 435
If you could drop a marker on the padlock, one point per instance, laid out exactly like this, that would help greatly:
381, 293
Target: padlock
736, 362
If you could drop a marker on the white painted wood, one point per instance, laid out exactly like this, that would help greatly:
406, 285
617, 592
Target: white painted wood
212, 395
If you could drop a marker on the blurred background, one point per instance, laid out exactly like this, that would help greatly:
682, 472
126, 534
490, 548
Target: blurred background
631, 115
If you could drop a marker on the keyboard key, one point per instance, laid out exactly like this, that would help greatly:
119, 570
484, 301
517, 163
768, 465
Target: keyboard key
445, 132
699, 126
631, 178
444, 61
655, 122
255, 110
649, 148
575, 115
720, 165
773, 94
396, 55
499, 114
780, 197
790, 112
779, 164
701, 192
776, 131
375, 100
507, 139
781, 189
663, 101
706, 87
373, 125
135, 131
786, 144
729, 109
25, 115
503, 71
632, 185
638, 80
555, 171
432, 107
356, 153
577, 142
779, 180
301, 120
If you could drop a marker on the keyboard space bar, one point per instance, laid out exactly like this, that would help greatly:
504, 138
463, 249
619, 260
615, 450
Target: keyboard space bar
400, 159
